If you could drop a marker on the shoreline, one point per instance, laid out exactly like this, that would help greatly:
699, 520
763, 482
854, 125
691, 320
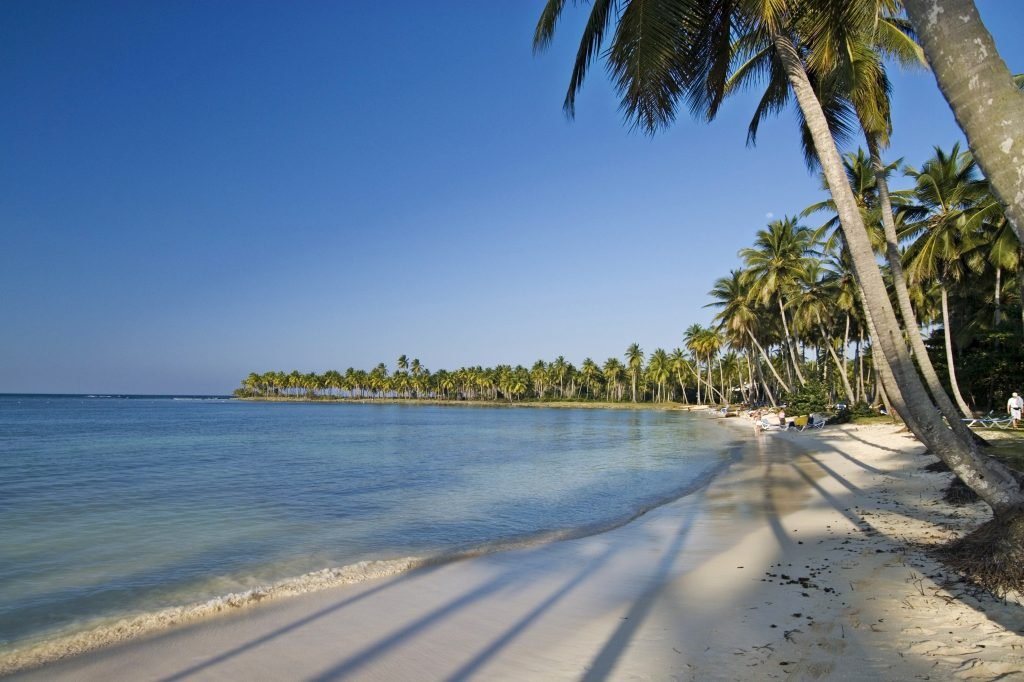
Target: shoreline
121, 630
805, 559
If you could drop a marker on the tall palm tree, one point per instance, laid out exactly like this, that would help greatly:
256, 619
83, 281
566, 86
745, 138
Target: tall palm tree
635, 362
614, 374
947, 190
559, 369
693, 337
682, 370
775, 262
590, 374
815, 305
738, 315
855, 77
659, 368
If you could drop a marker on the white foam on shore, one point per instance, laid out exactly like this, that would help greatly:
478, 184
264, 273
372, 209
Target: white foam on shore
125, 629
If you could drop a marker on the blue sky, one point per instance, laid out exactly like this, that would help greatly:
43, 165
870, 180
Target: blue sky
194, 190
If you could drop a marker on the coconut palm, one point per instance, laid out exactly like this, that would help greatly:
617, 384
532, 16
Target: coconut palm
774, 264
947, 192
815, 308
854, 74
590, 374
635, 362
659, 369
614, 374
681, 369
737, 314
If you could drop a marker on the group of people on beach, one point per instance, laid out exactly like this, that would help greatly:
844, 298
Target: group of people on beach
768, 418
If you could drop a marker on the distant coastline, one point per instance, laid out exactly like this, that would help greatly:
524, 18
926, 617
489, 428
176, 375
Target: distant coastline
564, 404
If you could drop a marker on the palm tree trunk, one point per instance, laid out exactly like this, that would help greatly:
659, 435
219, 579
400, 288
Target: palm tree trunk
998, 292
980, 90
1020, 283
846, 339
880, 391
840, 366
993, 481
948, 333
791, 344
764, 384
721, 379
892, 252
860, 367
750, 378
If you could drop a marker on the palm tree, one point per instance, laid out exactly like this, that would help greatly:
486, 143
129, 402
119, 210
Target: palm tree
673, 50
855, 77
591, 375
774, 264
614, 373
815, 304
947, 190
659, 368
635, 361
693, 338
738, 316
682, 369
558, 370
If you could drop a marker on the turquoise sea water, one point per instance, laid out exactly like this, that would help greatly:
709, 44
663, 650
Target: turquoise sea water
116, 506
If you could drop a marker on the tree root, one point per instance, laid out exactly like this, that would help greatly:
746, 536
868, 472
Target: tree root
957, 493
991, 556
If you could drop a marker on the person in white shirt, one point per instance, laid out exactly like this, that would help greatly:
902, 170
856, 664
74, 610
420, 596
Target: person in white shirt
1013, 406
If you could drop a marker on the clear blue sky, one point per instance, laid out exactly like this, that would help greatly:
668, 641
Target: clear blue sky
190, 191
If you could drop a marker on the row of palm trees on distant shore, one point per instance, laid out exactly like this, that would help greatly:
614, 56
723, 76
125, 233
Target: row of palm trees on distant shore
787, 318
662, 378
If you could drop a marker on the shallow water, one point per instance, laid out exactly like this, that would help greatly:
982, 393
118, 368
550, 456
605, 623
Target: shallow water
114, 506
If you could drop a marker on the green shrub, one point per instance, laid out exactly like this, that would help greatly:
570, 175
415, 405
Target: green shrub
810, 398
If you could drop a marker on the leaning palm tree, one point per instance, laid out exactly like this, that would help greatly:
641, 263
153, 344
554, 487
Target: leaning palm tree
662, 53
850, 63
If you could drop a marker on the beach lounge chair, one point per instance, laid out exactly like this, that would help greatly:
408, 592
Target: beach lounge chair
800, 423
817, 421
989, 421
771, 424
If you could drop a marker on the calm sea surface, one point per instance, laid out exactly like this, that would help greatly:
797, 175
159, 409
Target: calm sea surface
117, 506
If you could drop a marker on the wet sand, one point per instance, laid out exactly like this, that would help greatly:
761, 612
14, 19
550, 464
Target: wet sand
793, 564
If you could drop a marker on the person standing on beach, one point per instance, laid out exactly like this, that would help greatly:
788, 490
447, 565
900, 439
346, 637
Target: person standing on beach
1013, 406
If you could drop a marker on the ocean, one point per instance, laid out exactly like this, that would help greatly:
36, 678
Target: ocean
115, 507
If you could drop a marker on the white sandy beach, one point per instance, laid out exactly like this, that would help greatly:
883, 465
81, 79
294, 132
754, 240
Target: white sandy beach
799, 562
